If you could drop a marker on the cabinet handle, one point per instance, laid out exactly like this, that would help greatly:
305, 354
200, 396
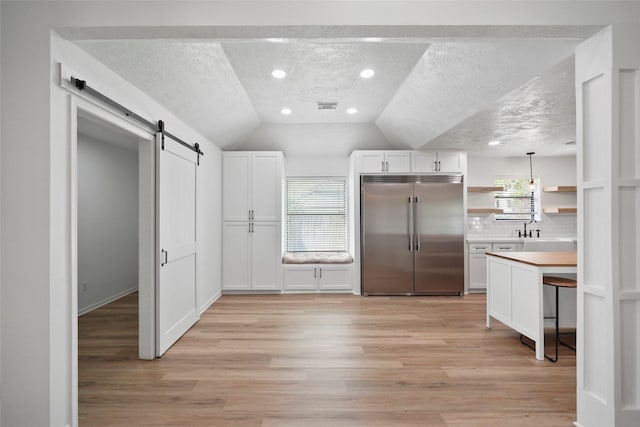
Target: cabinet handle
166, 255
382, 163
504, 247
314, 273
439, 166
435, 166
386, 163
480, 247
320, 272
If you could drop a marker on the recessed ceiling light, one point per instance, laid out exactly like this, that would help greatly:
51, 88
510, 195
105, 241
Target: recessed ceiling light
279, 74
286, 111
367, 73
495, 143
352, 110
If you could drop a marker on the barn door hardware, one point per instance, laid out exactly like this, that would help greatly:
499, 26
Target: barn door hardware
82, 85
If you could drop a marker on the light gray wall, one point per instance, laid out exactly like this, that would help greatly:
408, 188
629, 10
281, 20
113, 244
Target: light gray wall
551, 171
209, 226
316, 139
107, 222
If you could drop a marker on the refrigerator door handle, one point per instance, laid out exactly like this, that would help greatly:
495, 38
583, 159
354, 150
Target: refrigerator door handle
410, 224
416, 221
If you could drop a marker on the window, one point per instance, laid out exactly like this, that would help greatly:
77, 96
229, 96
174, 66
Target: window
316, 214
517, 200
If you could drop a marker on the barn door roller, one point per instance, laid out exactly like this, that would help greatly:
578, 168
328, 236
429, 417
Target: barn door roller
82, 85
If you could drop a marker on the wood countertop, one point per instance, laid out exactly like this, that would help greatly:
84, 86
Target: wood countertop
540, 259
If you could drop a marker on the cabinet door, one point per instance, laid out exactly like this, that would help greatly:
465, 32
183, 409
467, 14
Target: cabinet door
505, 247
477, 271
300, 277
372, 162
448, 161
266, 262
424, 161
334, 277
266, 186
236, 186
399, 162
236, 259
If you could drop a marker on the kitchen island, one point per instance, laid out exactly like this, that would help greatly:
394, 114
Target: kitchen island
515, 289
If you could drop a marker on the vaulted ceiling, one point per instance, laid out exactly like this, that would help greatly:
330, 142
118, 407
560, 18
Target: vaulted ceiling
457, 94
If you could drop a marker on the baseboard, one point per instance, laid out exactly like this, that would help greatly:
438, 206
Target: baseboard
210, 302
106, 301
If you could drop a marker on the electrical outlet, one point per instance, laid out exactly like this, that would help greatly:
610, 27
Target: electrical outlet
84, 286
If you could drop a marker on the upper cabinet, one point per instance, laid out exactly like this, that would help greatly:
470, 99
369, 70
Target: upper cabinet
436, 161
385, 162
252, 185
401, 161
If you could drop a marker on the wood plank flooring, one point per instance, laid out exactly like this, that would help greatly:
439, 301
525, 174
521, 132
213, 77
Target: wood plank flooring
322, 360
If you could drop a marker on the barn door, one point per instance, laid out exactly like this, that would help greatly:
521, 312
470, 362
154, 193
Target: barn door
176, 306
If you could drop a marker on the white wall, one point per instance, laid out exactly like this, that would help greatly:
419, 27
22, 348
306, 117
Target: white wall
316, 139
209, 226
107, 222
551, 171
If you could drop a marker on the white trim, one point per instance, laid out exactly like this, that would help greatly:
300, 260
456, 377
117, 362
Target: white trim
106, 301
89, 107
209, 303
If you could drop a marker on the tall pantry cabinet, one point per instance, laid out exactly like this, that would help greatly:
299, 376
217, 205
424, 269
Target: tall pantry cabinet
252, 211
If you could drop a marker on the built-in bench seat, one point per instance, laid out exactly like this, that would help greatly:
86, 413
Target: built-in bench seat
317, 258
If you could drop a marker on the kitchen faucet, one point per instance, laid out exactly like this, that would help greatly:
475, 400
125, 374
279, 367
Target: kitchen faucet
525, 234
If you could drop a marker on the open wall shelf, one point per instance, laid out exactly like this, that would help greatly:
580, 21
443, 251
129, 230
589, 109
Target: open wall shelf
484, 189
560, 189
484, 211
559, 210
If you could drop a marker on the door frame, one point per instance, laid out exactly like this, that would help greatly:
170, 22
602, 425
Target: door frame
146, 230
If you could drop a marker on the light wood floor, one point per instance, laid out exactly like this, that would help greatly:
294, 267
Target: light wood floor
323, 360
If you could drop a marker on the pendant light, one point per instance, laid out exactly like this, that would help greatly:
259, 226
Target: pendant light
532, 185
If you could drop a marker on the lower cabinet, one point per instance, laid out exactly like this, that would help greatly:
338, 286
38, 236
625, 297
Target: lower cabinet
317, 277
478, 262
251, 256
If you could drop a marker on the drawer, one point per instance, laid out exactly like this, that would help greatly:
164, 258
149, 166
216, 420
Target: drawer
504, 247
479, 247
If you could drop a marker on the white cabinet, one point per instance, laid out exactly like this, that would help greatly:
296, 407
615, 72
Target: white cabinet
317, 277
478, 262
251, 236
384, 161
251, 256
252, 185
436, 161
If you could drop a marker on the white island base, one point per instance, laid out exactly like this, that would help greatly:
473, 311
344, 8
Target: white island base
515, 289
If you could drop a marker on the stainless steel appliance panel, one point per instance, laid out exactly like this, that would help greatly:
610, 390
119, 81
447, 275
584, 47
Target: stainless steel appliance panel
387, 238
439, 229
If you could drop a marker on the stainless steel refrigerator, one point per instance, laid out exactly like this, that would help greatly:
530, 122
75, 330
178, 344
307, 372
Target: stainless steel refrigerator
412, 235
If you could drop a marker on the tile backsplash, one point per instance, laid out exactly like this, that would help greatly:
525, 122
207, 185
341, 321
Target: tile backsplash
549, 226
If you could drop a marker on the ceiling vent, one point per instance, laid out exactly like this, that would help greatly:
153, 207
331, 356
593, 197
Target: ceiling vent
327, 105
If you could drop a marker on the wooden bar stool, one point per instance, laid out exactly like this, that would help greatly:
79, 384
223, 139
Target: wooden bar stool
557, 282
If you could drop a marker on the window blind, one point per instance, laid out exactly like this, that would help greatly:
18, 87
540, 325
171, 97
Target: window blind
516, 200
316, 214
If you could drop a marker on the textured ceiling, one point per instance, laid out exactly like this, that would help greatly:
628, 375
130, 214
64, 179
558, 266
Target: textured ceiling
191, 78
318, 72
538, 116
425, 93
453, 81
